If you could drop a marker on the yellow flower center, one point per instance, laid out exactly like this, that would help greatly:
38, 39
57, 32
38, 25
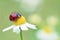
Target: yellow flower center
20, 21
47, 30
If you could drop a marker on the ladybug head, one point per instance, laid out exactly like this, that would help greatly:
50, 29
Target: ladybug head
14, 16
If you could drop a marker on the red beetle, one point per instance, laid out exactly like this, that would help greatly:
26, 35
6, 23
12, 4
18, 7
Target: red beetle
14, 16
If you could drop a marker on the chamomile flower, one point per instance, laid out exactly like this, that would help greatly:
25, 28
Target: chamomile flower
43, 35
19, 23
48, 32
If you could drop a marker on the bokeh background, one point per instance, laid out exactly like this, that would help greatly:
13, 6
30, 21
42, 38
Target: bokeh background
35, 11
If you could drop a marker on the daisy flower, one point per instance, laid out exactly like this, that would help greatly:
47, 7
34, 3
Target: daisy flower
43, 35
19, 23
48, 32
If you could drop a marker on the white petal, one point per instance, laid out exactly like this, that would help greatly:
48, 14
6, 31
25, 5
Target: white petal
16, 29
8, 28
44, 36
41, 35
31, 26
54, 36
23, 27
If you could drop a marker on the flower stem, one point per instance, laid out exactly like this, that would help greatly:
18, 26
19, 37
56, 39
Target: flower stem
21, 34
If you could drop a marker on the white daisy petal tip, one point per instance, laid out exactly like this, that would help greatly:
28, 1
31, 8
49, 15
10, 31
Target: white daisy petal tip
35, 27
3, 30
6, 29
31, 26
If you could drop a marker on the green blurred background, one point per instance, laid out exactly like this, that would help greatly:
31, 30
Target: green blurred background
44, 9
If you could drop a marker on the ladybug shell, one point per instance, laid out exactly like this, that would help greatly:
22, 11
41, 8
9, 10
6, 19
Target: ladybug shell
13, 17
